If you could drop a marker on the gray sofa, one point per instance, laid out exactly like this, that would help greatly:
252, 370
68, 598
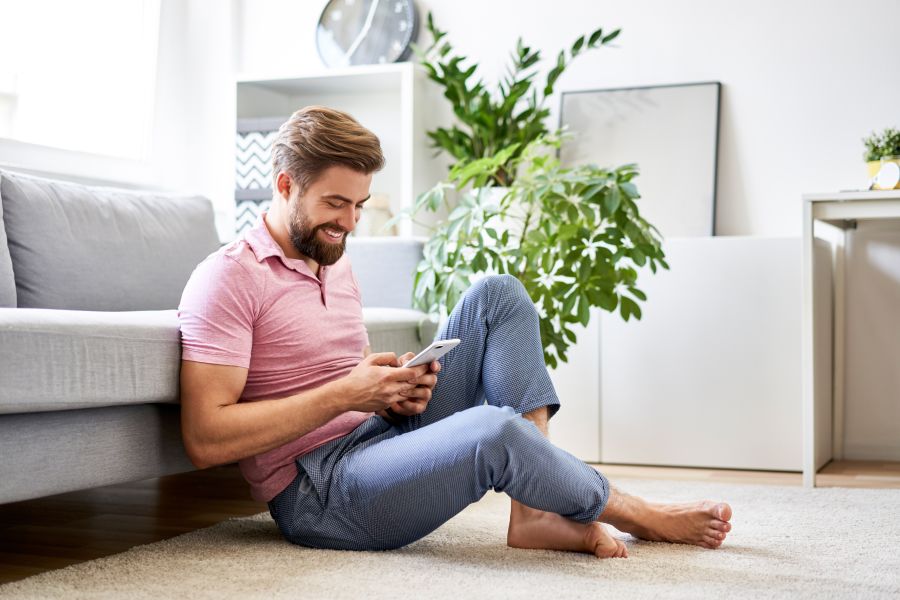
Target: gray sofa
90, 350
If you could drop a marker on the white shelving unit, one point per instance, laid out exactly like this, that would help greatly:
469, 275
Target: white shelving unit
388, 99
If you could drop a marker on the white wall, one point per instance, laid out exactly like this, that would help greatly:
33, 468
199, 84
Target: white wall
193, 146
803, 81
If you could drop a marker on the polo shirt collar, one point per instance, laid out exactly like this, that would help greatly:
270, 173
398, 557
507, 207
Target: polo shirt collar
264, 245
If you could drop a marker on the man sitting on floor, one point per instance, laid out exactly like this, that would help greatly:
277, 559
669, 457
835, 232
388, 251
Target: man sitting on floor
349, 449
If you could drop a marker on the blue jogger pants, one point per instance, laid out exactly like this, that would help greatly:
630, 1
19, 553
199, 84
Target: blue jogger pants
386, 485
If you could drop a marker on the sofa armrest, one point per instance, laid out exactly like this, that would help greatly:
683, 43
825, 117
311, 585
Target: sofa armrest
385, 268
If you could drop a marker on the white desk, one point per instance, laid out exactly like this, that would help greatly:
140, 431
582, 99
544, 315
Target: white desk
823, 391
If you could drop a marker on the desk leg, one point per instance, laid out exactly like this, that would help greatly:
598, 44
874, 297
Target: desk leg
837, 363
808, 349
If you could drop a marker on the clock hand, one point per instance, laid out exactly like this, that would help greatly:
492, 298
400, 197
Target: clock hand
362, 34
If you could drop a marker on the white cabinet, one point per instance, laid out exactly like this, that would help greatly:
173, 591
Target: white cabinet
709, 377
387, 99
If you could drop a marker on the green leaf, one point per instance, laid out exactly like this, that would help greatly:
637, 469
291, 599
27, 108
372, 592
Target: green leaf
595, 37
611, 200
569, 302
567, 230
550, 360
638, 257
547, 261
584, 310
637, 293
624, 309
608, 301
631, 307
630, 190
576, 47
584, 270
479, 262
612, 36
535, 236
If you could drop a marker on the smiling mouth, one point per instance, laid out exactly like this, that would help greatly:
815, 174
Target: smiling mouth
333, 234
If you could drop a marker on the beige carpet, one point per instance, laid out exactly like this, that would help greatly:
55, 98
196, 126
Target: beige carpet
787, 542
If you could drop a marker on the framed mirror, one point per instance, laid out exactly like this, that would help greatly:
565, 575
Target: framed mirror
670, 131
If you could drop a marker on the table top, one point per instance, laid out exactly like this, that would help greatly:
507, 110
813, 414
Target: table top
853, 195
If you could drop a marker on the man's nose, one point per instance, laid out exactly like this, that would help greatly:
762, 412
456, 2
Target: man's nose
347, 220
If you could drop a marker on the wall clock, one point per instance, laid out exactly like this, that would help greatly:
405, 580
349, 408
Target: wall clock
361, 32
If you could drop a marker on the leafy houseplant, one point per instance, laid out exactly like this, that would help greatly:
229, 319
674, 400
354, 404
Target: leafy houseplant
573, 236
512, 117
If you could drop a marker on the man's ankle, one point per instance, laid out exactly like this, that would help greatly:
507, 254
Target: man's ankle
539, 417
622, 511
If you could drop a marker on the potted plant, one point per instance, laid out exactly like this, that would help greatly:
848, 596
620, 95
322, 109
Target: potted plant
490, 120
573, 236
880, 149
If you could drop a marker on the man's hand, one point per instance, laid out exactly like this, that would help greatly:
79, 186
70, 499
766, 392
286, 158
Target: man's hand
379, 382
415, 400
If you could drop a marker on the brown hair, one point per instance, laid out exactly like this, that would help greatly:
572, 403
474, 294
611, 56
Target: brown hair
316, 138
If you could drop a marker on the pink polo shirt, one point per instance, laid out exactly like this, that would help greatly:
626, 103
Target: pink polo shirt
248, 305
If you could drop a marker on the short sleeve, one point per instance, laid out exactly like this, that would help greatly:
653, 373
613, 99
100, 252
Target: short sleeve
217, 311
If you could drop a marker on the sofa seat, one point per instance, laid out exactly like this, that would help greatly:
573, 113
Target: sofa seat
69, 359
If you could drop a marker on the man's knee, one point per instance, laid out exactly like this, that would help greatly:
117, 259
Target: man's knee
501, 289
498, 423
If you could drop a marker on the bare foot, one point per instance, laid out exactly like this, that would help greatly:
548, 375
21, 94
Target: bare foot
538, 530
702, 524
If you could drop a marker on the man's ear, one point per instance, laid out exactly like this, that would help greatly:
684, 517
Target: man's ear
283, 183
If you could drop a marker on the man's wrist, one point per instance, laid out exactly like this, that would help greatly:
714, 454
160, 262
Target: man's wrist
337, 397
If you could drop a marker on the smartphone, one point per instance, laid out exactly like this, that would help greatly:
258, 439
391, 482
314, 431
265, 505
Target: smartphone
436, 350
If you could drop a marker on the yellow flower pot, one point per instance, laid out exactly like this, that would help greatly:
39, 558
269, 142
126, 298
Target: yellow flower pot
874, 167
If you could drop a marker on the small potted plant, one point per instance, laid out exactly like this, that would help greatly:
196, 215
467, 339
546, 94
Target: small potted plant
881, 150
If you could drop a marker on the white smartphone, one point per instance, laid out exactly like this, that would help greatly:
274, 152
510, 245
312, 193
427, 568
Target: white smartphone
434, 351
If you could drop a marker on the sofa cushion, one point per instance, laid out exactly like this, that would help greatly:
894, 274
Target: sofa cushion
98, 248
63, 359
68, 359
7, 281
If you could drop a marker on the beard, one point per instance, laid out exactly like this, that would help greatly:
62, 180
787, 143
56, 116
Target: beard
306, 242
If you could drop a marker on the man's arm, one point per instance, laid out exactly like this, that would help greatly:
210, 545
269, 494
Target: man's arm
217, 429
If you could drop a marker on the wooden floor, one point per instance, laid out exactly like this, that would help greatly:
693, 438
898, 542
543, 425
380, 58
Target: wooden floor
51, 533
